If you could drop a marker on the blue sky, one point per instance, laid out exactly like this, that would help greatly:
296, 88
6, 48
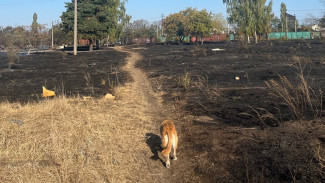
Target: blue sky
20, 12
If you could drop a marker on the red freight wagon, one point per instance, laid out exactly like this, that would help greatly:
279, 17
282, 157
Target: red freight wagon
212, 38
143, 40
83, 42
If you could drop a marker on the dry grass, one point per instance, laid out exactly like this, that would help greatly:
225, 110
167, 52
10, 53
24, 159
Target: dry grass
210, 93
184, 80
197, 50
12, 54
82, 140
302, 99
70, 140
263, 116
320, 157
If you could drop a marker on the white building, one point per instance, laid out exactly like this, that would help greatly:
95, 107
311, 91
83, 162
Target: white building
317, 28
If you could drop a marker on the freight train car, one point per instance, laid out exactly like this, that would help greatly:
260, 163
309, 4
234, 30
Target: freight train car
144, 40
213, 38
290, 35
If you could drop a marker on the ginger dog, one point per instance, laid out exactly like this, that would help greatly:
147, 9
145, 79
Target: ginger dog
169, 140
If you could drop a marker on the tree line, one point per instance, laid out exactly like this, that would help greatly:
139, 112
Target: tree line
21, 36
252, 18
107, 20
97, 19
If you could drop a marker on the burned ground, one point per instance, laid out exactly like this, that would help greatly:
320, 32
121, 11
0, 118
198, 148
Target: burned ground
87, 74
238, 129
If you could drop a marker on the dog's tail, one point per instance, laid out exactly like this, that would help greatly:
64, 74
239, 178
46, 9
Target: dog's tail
170, 136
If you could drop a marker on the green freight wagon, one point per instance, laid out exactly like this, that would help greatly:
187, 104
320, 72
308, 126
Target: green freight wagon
231, 37
290, 35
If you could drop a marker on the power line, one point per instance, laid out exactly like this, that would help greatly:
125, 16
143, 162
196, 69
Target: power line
304, 10
21, 3
309, 10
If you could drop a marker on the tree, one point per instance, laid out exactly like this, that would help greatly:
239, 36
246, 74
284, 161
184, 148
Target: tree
142, 28
14, 37
276, 24
34, 30
322, 20
6, 34
97, 19
219, 23
264, 17
60, 36
138, 28
200, 23
241, 14
251, 16
176, 25
189, 22
20, 37
283, 17
124, 20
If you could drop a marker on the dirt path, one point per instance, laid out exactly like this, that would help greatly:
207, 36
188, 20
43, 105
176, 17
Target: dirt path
140, 115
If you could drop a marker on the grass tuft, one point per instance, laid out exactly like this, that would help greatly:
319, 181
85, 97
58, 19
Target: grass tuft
184, 80
302, 99
210, 93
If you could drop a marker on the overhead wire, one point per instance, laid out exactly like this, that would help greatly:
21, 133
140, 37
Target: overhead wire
19, 3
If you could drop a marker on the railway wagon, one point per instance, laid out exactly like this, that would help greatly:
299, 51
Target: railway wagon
144, 40
290, 35
211, 38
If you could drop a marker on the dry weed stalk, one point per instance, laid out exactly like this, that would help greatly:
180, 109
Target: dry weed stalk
64, 55
320, 157
87, 77
202, 84
263, 116
12, 55
293, 175
300, 97
89, 83
109, 83
158, 85
184, 80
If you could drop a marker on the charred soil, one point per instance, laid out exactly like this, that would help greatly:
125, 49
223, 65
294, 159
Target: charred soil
87, 74
233, 128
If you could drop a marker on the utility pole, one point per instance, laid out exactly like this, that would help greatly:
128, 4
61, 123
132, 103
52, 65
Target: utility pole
295, 23
227, 20
292, 17
162, 28
52, 36
75, 37
287, 26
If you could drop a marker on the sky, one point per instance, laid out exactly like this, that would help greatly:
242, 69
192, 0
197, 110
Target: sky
20, 12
